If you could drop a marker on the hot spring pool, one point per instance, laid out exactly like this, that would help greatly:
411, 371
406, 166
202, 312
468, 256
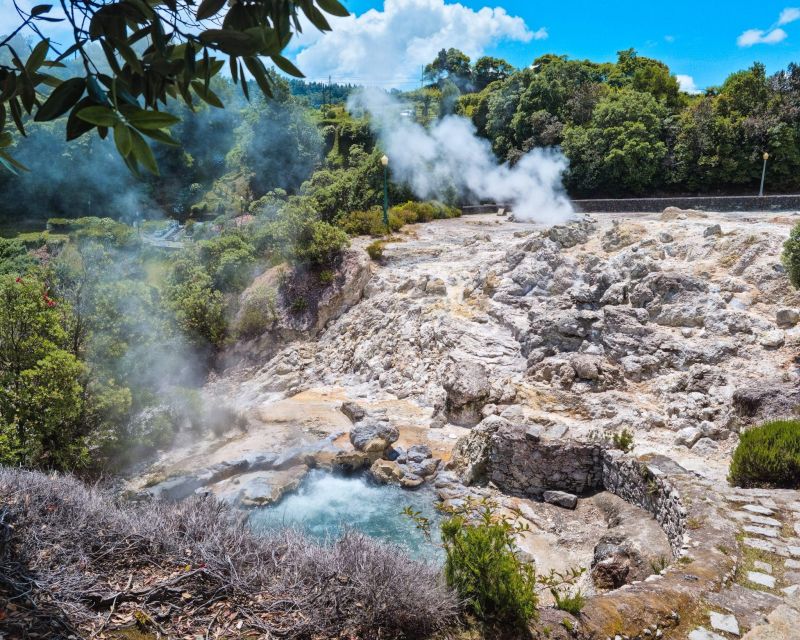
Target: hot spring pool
325, 505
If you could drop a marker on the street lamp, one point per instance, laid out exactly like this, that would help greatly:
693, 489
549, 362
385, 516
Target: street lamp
763, 175
385, 163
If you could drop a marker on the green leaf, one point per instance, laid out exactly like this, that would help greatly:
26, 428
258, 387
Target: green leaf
61, 100
142, 119
285, 65
99, 116
37, 56
5, 139
207, 95
209, 8
75, 126
142, 152
256, 67
122, 138
160, 136
334, 7
10, 163
39, 9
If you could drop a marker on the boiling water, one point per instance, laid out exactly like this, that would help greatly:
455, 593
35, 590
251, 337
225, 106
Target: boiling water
325, 505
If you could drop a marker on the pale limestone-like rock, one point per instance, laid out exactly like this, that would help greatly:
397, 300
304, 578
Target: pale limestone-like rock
704, 634
762, 579
560, 499
723, 622
772, 339
769, 522
764, 567
768, 532
782, 624
757, 508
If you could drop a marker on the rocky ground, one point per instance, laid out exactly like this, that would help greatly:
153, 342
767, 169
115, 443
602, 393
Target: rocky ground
680, 327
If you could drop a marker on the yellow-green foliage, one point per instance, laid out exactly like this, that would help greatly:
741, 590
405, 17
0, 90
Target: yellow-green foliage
375, 250
791, 256
359, 223
768, 456
257, 313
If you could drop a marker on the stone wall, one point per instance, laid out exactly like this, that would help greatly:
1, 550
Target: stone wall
655, 205
521, 462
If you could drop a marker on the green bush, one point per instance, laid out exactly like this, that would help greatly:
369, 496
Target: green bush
369, 223
258, 312
768, 456
791, 256
481, 566
375, 250
623, 440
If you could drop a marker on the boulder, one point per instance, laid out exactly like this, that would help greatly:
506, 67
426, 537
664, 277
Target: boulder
705, 446
770, 400
712, 230
436, 287
468, 390
787, 317
688, 436
419, 453
470, 456
373, 436
560, 499
353, 411
386, 472
351, 461
772, 339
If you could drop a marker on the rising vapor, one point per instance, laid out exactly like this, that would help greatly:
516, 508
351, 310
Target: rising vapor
450, 156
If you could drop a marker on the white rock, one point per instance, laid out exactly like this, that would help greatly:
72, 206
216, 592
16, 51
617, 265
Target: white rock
767, 532
761, 579
722, 622
766, 567
704, 634
772, 339
757, 508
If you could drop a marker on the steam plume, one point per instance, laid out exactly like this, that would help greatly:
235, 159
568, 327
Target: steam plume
450, 155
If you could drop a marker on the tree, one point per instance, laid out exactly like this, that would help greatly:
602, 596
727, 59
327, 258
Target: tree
41, 394
621, 147
487, 70
154, 52
450, 64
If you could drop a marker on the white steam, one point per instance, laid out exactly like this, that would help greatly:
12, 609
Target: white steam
450, 156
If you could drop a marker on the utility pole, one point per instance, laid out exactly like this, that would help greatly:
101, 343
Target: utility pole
763, 175
330, 96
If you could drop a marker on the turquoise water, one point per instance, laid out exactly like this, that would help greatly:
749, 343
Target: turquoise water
325, 505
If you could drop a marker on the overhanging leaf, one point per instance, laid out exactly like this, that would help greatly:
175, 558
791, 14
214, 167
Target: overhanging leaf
286, 65
63, 98
122, 138
209, 8
142, 152
99, 116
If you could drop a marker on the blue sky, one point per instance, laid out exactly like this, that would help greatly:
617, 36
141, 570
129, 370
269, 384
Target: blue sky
385, 43
696, 39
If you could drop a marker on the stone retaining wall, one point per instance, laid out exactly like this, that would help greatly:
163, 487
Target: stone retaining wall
523, 463
656, 205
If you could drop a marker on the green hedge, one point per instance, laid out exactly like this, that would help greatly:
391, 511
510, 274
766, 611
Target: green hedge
768, 456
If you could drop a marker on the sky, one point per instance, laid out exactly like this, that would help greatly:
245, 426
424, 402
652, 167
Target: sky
386, 42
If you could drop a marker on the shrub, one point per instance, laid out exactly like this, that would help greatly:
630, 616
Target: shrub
76, 540
317, 243
229, 259
257, 313
370, 222
623, 440
481, 566
375, 250
791, 256
571, 603
768, 456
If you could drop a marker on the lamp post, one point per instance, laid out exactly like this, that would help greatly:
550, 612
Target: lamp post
763, 174
385, 163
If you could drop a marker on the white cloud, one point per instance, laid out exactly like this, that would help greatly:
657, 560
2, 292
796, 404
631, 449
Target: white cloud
759, 36
687, 84
790, 14
388, 47
669, 38
774, 34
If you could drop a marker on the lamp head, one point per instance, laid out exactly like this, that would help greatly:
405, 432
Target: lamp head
766, 156
385, 161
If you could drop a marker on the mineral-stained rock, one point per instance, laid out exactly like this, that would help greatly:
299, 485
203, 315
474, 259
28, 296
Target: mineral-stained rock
351, 461
386, 472
467, 390
373, 435
787, 317
419, 453
436, 287
560, 499
353, 411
